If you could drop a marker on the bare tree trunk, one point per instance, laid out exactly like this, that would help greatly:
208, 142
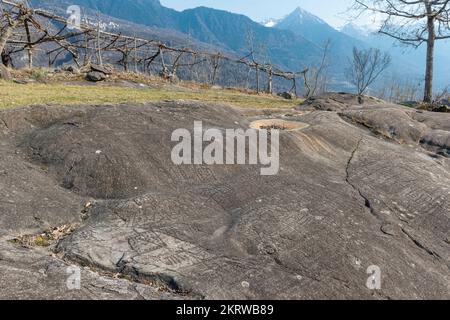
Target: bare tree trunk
295, 86
99, 49
87, 56
125, 61
215, 67
247, 79
307, 87
270, 81
30, 48
6, 59
135, 55
428, 96
6, 34
257, 78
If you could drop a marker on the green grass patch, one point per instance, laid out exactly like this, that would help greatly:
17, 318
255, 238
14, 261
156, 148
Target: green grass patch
13, 95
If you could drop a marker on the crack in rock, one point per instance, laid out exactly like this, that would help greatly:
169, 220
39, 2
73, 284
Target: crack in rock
421, 246
5, 124
367, 202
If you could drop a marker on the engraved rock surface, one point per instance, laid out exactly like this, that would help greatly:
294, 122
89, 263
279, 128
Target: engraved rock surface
360, 185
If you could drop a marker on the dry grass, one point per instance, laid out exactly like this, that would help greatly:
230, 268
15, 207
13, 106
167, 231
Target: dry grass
55, 92
45, 239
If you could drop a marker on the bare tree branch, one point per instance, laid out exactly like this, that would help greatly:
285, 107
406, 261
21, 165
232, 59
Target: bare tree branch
365, 67
413, 23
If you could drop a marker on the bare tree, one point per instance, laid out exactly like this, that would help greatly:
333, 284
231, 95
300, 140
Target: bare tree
315, 79
443, 95
413, 22
23, 28
12, 18
366, 66
257, 52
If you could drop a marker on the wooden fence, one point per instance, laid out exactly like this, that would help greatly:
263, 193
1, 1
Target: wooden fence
39, 32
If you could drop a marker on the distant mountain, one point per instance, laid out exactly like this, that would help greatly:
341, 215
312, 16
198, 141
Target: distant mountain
308, 25
315, 29
215, 27
311, 27
91, 13
145, 12
291, 43
240, 33
358, 32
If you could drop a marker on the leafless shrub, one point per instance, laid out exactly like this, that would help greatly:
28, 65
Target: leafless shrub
399, 90
315, 78
443, 95
365, 67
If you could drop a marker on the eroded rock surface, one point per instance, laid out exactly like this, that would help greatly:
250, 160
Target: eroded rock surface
361, 184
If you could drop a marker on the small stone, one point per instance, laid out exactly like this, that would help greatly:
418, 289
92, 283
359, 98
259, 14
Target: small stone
287, 95
22, 81
71, 69
95, 76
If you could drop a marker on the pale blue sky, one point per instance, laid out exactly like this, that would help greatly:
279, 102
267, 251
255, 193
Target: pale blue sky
332, 11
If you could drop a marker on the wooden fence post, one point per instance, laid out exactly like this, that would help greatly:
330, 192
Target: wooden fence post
270, 81
29, 47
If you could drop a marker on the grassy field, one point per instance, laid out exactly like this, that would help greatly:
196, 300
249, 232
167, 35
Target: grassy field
14, 95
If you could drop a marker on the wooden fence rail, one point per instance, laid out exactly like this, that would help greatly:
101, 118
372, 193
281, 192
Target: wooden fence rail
28, 30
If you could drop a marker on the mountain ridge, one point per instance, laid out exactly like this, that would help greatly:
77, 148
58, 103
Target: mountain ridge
211, 26
292, 43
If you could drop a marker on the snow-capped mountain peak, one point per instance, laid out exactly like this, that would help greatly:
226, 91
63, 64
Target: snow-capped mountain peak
358, 31
300, 13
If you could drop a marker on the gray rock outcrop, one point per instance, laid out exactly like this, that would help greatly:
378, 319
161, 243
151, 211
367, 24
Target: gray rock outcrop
360, 185
95, 76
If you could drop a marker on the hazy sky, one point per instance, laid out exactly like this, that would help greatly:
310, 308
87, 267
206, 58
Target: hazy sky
332, 11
